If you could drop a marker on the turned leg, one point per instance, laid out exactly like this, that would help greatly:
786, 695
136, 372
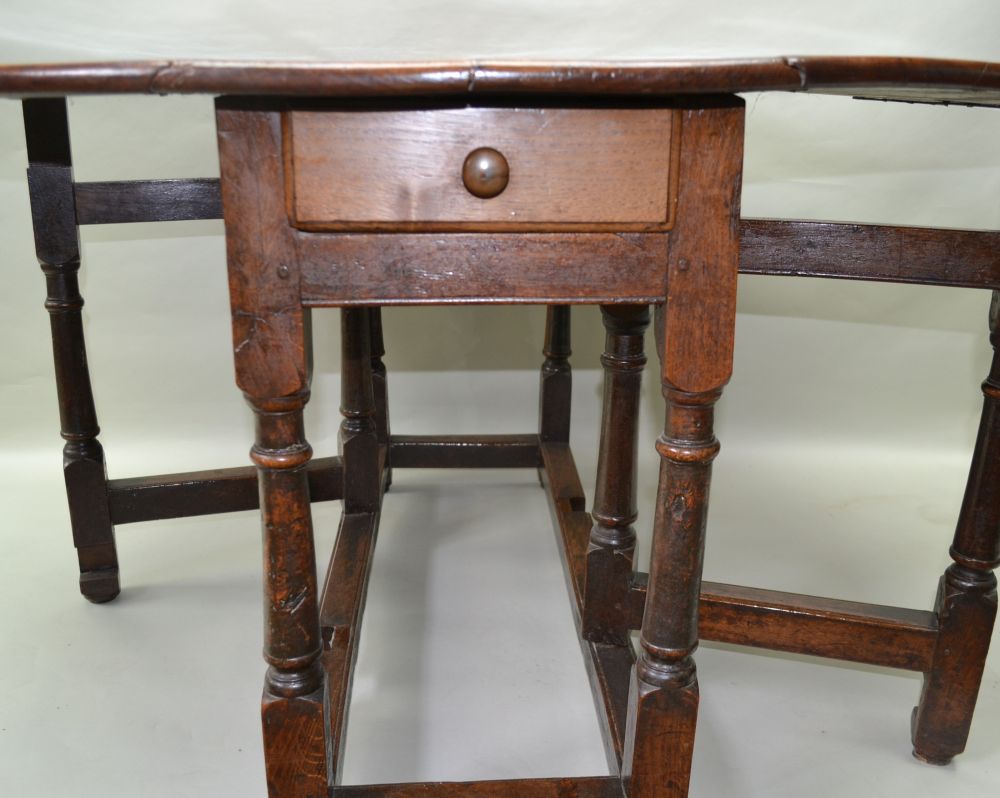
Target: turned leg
359, 430
380, 386
695, 338
612, 539
966, 603
273, 359
292, 708
557, 378
663, 700
50, 181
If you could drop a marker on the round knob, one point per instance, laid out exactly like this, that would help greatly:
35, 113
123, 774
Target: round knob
485, 173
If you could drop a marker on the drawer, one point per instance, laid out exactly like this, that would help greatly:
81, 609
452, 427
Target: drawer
557, 169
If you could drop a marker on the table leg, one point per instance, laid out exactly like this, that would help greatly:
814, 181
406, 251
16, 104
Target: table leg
695, 338
272, 351
292, 708
663, 700
359, 429
612, 538
555, 389
57, 244
966, 603
380, 386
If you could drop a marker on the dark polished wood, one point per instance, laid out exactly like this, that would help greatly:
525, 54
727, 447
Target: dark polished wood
406, 170
893, 637
649, 718
875, 77
124, 201
555, 393
966, 604
652, 219
341, 610
698, 330
296, 744
57, 246
97, 504
927, 256
485, 173
839, 250
844, 250
465, 451
380, 388
612, 539
270, 323
540, 268
220, 490
359, 444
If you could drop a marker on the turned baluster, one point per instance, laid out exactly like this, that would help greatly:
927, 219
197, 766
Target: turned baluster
664, 683
380, 386
612, 539
273, 358
292, 707
57, 245
966, 603
358, 431
696, 349
556, 386
291, 631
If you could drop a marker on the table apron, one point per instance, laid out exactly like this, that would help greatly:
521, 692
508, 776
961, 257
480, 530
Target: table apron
387, 269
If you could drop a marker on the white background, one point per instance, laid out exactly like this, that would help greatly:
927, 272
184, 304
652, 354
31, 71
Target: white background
846, 431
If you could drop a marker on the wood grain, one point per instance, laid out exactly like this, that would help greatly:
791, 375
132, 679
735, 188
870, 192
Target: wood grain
555, 388
928, 256
966, 604
271, 340
219, 490
123, 201
402, 170
465, 451
893, 637
877, 77
296, 750
341, 608
404, 268
612, 538
704, 250
57, 247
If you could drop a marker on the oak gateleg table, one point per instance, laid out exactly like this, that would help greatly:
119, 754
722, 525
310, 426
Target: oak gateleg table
360, 186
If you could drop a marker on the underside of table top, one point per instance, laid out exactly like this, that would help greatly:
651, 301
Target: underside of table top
923, 80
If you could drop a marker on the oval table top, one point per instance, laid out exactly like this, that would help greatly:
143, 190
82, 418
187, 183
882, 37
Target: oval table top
924, 80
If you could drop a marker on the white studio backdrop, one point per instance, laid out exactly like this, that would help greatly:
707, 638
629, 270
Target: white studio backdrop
846, 430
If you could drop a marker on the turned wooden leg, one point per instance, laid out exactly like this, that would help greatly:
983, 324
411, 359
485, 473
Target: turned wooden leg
695, 339
556, 386
663, 700
380, 386
966, 603
359, 430
292, 708
273, 359
612, 539
57, 244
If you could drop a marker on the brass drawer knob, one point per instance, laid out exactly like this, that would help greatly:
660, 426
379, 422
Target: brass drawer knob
485, 173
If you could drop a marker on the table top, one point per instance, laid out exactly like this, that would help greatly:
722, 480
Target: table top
883, 77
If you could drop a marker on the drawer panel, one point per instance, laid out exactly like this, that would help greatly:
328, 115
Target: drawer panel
569, 169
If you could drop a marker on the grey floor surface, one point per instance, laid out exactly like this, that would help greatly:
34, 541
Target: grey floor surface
469, 667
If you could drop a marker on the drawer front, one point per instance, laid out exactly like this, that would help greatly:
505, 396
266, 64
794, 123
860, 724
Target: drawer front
406, 171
